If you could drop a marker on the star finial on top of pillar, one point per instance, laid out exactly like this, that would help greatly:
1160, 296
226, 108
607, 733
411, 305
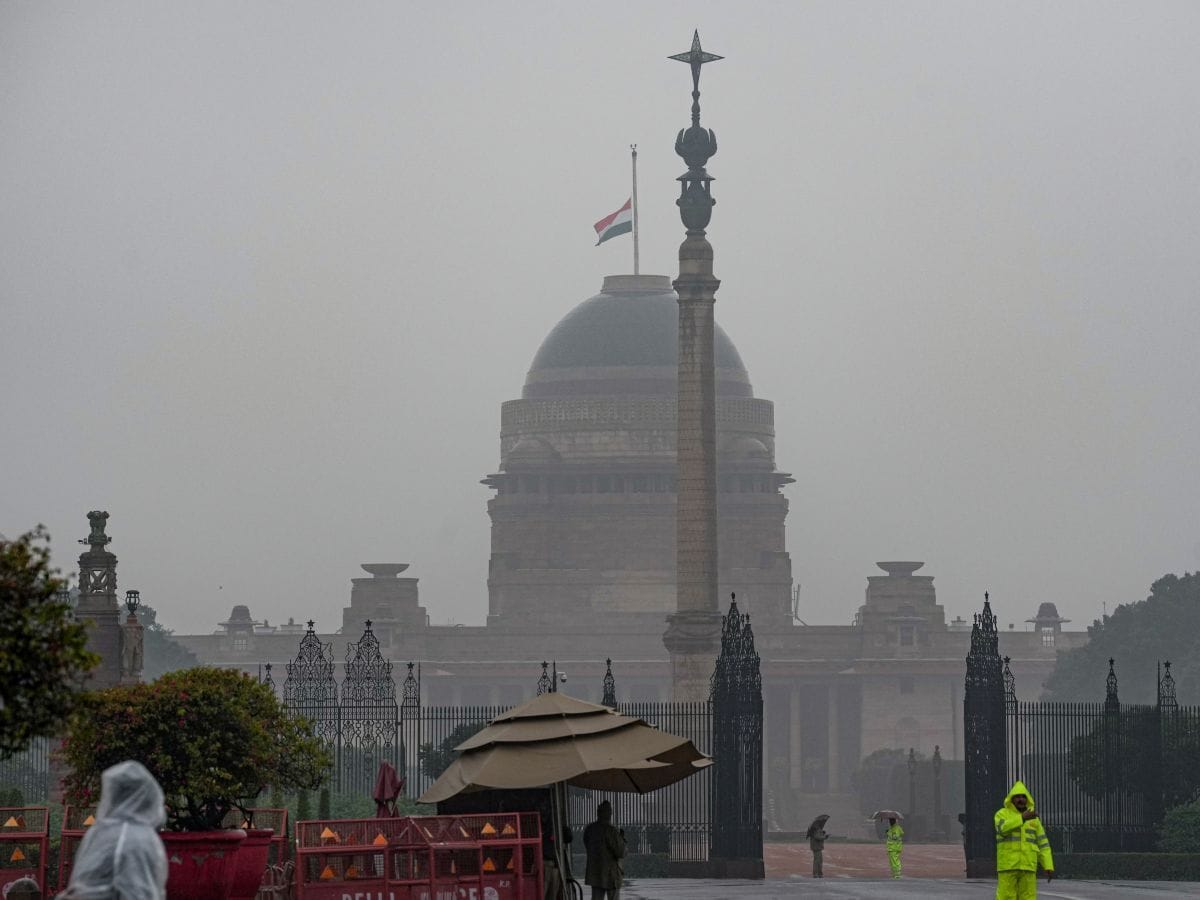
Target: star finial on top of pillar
696, 56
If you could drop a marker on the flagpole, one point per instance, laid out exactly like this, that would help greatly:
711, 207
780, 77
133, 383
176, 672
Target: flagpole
633, 149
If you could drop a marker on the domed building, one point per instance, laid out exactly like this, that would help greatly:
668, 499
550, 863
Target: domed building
583, 519
582, 573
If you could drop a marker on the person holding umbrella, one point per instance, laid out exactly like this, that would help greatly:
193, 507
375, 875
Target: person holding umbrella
894, 836
895, 845
816, 843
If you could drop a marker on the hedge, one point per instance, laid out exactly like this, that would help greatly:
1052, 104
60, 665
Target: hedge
1129, 866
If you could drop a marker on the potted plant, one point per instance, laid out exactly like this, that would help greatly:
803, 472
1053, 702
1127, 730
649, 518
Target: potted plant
214, 739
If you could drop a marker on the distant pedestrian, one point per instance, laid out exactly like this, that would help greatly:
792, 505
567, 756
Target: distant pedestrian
1021, 844
816, 843
122, 857
605, 847
895, 846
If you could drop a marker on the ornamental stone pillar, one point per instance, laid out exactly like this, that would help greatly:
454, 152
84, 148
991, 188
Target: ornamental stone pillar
694, 629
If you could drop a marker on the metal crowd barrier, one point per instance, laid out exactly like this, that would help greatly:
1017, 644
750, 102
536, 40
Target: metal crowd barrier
466, 857
24, 844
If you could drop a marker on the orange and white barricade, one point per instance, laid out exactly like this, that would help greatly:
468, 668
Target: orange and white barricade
24, 845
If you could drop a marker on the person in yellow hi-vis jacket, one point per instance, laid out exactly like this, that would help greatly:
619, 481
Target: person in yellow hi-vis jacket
895, 846
1021, 844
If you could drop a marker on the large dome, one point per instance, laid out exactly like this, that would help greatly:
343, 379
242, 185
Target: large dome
625, 340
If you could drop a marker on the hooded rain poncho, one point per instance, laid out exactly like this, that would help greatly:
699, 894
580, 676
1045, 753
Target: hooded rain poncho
122, 857
1020, 844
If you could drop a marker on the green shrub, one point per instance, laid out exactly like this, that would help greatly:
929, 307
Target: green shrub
213, 738
1129, 866
1180, 831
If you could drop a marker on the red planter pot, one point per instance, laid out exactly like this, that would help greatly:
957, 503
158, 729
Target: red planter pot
251, 863
201, 865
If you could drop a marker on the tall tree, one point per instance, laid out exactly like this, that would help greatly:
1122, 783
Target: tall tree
43, 651
1164, 626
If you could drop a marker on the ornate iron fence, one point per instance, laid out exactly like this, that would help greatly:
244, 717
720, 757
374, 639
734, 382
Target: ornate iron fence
362, 726
675, 820
1102, 774
28, 772
717, 812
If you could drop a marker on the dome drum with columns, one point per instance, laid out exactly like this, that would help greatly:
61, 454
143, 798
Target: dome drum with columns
583, 520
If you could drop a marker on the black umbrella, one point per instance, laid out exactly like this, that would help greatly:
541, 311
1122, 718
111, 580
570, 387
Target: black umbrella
817, 824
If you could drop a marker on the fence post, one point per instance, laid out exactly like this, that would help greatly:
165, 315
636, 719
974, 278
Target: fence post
985, 743
609, 697
736, 809
938, 831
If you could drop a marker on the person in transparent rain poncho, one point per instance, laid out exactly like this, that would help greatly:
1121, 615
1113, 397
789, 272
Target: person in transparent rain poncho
122, 857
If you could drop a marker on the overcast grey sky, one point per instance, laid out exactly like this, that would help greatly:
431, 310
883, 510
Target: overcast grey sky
267, 271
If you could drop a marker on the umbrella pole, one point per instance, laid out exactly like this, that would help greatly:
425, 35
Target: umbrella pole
558, 802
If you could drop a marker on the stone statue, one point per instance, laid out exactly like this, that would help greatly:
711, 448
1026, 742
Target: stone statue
132, 650
98, 519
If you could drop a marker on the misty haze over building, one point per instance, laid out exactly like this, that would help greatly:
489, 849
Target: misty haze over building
268, 273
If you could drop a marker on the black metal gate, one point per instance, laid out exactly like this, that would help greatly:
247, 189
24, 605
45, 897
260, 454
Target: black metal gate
1102, 774
363, 726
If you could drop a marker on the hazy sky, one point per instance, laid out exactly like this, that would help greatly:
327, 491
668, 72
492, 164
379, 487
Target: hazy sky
268, 270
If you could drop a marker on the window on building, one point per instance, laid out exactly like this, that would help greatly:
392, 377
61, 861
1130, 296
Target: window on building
908, 635
1047, 637
241, 644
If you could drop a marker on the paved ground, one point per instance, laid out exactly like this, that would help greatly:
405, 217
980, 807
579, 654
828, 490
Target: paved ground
865, 860
860, 872
884, 889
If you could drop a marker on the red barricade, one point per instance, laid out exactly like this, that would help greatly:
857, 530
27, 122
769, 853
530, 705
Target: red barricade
346, 858
470, 857
24, 845
75, 823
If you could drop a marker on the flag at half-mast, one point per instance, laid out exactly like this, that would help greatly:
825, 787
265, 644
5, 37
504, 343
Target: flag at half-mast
620, 222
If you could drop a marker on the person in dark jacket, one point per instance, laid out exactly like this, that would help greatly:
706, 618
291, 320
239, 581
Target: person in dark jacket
816, 843
605, 846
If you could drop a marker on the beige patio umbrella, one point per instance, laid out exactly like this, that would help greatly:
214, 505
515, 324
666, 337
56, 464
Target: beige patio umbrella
558, 738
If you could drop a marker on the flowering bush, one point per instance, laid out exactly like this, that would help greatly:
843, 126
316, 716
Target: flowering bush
214, 739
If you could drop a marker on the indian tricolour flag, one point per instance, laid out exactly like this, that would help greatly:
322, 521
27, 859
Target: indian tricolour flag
620, 222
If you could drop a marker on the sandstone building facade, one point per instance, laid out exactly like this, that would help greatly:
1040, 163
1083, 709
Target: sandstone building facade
582, 569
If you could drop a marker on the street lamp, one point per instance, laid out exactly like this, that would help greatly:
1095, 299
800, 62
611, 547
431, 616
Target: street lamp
912, 782
937, 790
133, 599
